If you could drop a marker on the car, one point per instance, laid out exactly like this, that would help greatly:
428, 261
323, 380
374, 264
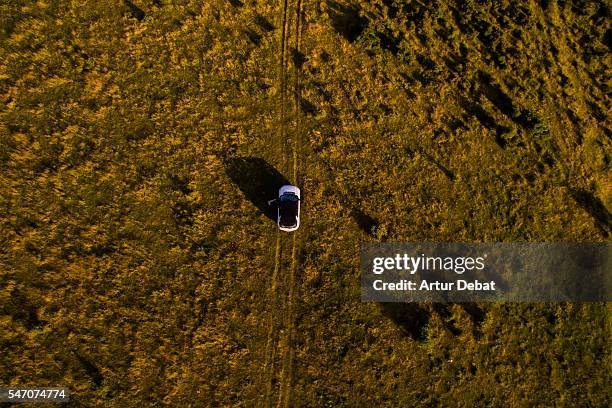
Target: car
288, 205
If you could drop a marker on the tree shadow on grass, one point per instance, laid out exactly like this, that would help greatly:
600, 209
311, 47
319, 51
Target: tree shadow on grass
365, 222
411, 318
307, 107
90, 368
263, 22
504, 103
236, 3
134, 10
476, 313
346, 20
595, 207
258, 181
298, 58
486, 120
253, 37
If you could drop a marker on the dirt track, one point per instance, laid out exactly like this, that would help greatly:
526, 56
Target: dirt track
283, 291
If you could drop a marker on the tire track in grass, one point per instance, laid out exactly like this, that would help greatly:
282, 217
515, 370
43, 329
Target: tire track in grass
296, 91
283, 79
286, 382
283, 289
286, 379
269, 365
272, 342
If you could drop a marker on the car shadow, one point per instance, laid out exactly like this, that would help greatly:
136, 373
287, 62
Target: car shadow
258, 180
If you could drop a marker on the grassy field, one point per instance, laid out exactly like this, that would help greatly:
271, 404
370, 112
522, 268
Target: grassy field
140, 141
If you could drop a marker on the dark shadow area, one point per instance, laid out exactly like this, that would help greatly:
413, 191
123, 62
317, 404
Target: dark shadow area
485, 120
407, 82
477, 315
392, 8
504, 103
298, 58
263, 22
183, 212
411, 318
385, 109
455, 124
182, 209
427, 74
550, 316
325, 94
595, 207
461, 18
607, 38
412, 11
457, 60
346, 20
236, 3
257, 180
427, 63
134, 10
526, 119
253, 36
365, 222
447, 172
494, 93
603, 12
575, 120
102, 249
454, 63
597, 111
92, 371
422, 79
389, 43
442, 310
178, 183
307, 107
485, 32
22, 310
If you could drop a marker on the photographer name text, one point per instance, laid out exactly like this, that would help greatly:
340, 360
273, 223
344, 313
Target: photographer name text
409, 285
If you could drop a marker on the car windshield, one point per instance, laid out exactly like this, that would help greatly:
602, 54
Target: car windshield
288, 197
288, 210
